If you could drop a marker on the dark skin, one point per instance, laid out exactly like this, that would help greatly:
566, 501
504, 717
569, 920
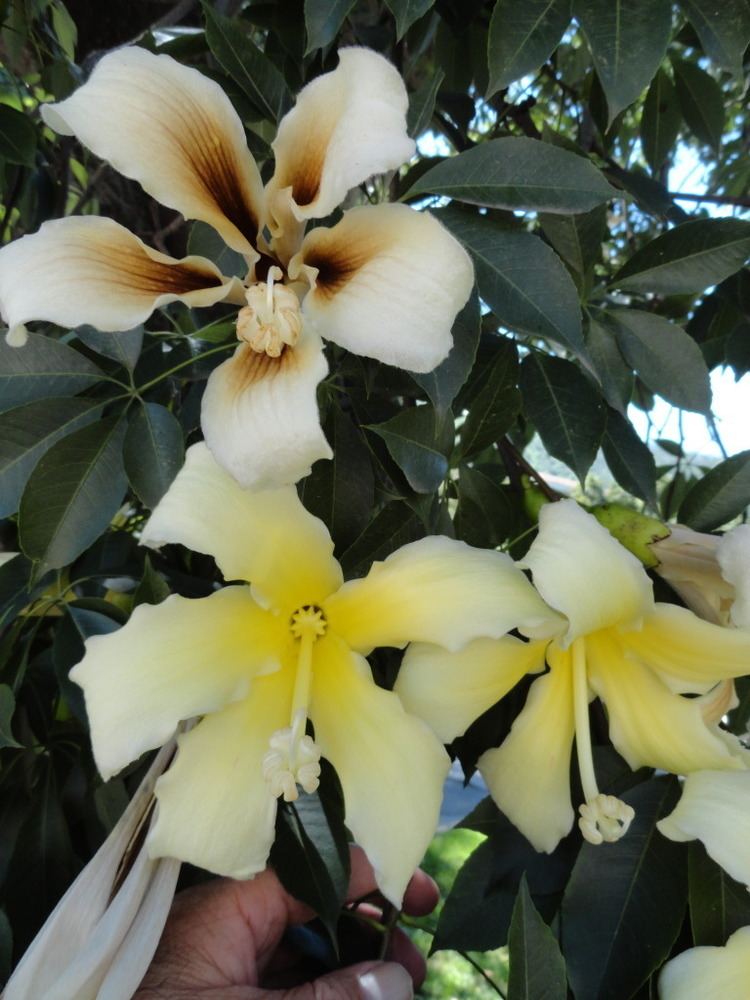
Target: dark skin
224, 939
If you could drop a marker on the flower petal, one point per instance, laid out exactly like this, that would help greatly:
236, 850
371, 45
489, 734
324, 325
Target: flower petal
172, 661
529, 775
436, 590
260, 414
174, 131
345, 126
82, 944
267, 537
733, 556
390, 765
649, 724
450, 690
86, 269
709, 973
676, 642
387, 283
583, 572
215, 807
715, 809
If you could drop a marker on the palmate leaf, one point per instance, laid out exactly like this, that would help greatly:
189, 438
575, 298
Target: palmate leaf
522, 35
42, 368
537, 969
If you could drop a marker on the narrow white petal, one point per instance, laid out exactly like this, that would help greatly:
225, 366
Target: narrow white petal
84, 937
733, 555
708, 973
265, 537
345, 126
174, 131
715, 809
86, 269
387, 283
260, 414
583, 572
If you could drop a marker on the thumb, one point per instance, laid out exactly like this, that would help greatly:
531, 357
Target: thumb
365, 981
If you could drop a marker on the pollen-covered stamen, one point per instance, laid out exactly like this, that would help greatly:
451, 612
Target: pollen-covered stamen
604, 818
271, 320
293, 758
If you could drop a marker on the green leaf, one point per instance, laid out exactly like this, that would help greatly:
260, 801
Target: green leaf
523, 34
16, 589
485, 516
524, 282
614, 939
6, 946
629, 459
611, 371
444, 382
68, 648
153, 452
660, 121
615, 32
565, 409
246, 64
17, 137
43, 367
496, 406
28, 432
724, 30
418, 442
719, 906
687, 258
393, 526
407, 12
7, 708
123, 347
650, 195
536, 967
701, 102
422, 104
518, 173
577, 238
666, 358
73, 494
204, 241
717, 498
152, 588
323, 18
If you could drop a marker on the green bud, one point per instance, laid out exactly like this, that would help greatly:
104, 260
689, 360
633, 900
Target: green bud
533, 499
633, 530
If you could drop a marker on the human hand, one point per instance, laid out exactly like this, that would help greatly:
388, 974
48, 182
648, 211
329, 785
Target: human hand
224, 938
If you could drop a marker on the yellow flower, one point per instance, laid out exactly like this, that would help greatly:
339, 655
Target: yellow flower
709, 973
612, 642
258, 661
385, 281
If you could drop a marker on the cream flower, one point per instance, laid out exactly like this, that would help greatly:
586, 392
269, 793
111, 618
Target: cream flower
258, 661
613, 642
385, 282
711, 573
709, 973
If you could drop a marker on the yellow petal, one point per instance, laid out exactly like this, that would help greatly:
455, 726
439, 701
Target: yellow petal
679, 644
265, 537
260, 414
449, 690
436, 590
733, 555
174, 131
86, 269
170, 662
529, 775
708, 973
387, 283
581, 571
715, 809
649, 724
345, 126
215, 807
390, 765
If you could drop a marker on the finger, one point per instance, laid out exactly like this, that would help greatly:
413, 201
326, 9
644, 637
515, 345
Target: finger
422, 895
366, 981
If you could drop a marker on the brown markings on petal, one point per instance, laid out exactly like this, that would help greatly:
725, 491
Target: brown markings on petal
131, 268
248, 366
305, 171
338, 264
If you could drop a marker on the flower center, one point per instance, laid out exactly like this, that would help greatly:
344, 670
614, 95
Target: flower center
603, 817
271, 320
293, 758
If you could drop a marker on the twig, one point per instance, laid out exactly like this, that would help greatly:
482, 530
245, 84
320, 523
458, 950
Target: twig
719, 199
508, 449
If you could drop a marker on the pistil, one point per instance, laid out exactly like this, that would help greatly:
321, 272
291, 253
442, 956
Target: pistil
603, 817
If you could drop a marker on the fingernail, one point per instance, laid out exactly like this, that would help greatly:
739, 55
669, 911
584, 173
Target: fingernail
388, 981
